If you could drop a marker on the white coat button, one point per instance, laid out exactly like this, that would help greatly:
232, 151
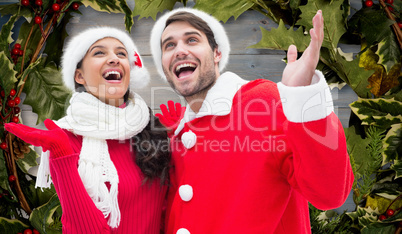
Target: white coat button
182, 231
186, 192
188, 138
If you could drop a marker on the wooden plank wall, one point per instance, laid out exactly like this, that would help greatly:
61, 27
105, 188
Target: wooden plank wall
250, 64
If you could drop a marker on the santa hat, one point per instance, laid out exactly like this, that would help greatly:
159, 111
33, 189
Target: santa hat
216, 27
78, 46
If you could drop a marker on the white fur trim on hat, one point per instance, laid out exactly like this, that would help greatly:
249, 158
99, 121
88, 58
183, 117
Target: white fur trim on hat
78, 46
219, 33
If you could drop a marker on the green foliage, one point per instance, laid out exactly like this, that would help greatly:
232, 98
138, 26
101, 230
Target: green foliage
8, 74
281, 38
379, 111
329, 221
150, 8
223, 10
45, 218
46, 92
12, 225
117, 6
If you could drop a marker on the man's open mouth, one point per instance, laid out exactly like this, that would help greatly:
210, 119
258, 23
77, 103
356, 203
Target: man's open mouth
185, 69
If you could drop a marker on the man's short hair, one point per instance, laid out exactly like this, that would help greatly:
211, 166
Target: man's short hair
196, 22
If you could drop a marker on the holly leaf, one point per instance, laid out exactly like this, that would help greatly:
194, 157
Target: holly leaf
28, 161
7, 73
6, 32
353, 74
3, 171
223, 10
281, 38
45, 92
357, 148
150, 8
393, 143
380, 81
378, 228
43, 217
12, 225
397, 167
16, 10
381, 112
117, 6
371, 24
389, 52
334, 20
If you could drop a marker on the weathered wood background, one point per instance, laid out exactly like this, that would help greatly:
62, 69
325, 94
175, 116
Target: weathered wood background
250, 64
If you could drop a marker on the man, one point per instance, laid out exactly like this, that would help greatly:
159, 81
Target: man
247, 156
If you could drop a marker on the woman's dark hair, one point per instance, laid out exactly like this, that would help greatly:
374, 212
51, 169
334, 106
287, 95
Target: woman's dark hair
152, 150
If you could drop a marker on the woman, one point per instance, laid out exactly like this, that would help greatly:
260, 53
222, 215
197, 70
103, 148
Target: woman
104, 149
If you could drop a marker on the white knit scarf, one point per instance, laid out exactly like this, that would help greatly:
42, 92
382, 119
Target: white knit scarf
97, 122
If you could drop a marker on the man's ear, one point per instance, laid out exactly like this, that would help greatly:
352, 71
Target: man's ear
217, 55
78, 77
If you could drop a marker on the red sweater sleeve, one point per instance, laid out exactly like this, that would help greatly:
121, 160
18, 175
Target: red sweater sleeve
321, 165
80, 215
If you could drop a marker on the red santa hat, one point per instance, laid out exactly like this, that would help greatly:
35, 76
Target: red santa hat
216, 27
78, 46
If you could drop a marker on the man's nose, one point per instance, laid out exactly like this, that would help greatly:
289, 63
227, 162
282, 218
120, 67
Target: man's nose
181, 50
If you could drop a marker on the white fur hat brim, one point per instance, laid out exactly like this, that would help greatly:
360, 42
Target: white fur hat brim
219, 34
78, 46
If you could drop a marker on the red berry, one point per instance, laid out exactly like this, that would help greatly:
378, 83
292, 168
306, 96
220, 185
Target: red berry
12, 178
382, 217
3, 145
38, 20
390, 8
75, 6
38, 2
56, 7
17, 100
11, 103
2, 93
17, 110
17, 46
15, 119
400, 24
27, 231
36, 231
12, 92
390, 212
389, 1
21, 52
25, 2
15, 51
368, 3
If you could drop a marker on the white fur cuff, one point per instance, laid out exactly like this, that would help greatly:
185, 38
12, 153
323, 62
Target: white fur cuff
307, 103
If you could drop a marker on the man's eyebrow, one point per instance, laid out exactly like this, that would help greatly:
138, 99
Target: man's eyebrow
186, 34
166, 40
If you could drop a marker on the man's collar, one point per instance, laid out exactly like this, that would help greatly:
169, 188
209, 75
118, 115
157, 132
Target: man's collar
218, 101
